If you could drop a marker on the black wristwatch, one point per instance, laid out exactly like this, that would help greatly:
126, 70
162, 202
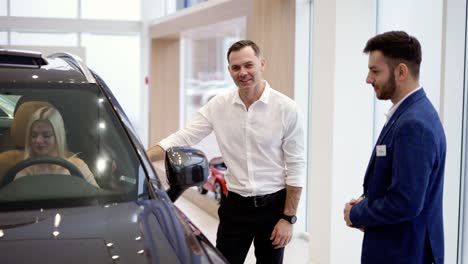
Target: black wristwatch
291, 219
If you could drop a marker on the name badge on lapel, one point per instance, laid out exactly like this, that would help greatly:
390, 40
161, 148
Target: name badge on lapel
381, 151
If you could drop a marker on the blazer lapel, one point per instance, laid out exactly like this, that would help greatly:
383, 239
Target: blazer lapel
400, 110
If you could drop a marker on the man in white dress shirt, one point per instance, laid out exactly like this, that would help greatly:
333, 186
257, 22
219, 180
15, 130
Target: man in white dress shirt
261, 137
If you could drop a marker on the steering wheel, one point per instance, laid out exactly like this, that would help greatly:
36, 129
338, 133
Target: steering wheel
10, 175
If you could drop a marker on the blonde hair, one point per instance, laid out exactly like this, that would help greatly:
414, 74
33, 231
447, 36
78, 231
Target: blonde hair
52, 116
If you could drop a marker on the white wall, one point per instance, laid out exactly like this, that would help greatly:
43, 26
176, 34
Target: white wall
451, 111
344, 127
427, 28
342, 124
302, 69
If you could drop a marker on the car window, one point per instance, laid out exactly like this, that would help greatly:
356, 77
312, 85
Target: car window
7, 105
3, 114
95, 139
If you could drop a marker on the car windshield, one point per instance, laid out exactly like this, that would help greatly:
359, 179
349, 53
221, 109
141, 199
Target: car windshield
88, 160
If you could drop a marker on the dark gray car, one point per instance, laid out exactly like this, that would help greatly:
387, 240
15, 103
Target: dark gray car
60, 217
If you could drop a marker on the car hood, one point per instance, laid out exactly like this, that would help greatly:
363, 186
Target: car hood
144, 232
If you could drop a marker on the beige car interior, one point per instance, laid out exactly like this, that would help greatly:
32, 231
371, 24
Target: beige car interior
10, 158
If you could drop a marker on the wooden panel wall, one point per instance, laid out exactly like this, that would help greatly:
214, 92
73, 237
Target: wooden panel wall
272, 26
164, 88
270, 23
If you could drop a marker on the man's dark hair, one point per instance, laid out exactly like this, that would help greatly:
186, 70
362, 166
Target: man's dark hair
397, 47
242, 44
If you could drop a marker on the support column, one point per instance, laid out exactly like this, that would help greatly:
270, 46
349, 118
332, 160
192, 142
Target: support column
341, 124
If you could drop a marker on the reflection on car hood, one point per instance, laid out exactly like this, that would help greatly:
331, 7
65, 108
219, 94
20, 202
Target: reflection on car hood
126, 232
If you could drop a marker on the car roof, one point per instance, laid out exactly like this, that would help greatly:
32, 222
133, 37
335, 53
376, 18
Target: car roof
27, 66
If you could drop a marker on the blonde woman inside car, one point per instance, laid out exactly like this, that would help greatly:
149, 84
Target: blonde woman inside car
45, 136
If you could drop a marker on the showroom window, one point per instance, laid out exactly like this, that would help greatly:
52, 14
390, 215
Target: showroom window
3, 38
3, 8
123, 77
44, 8
88, 9
463, 224
205, 72
181, 4
115, 39
111, 9
463, 247
44, 39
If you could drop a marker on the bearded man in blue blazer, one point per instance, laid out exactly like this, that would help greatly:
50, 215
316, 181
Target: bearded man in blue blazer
400, 211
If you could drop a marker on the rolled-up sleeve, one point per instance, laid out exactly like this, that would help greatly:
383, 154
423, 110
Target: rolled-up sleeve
294, 149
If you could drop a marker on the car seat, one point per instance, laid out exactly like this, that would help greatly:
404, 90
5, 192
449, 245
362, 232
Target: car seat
23, 113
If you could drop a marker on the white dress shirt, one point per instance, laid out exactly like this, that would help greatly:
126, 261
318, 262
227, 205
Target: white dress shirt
263, 147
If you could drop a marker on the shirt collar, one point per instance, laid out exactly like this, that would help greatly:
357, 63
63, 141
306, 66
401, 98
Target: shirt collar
263, 98
393, 109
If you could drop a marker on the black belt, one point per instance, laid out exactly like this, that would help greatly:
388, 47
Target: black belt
256, 201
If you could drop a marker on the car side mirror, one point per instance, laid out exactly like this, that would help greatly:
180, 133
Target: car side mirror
185, 167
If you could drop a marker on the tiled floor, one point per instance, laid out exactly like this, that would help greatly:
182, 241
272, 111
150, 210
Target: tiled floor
296, 252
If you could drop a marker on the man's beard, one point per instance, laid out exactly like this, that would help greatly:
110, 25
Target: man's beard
387, 90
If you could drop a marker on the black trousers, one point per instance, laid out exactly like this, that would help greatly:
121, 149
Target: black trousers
243, 219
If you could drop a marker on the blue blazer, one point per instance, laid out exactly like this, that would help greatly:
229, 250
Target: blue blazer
403, 187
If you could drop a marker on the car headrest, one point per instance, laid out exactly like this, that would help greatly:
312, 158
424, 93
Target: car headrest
21, 120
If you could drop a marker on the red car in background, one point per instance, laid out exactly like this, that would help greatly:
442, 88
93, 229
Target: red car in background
215, 182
